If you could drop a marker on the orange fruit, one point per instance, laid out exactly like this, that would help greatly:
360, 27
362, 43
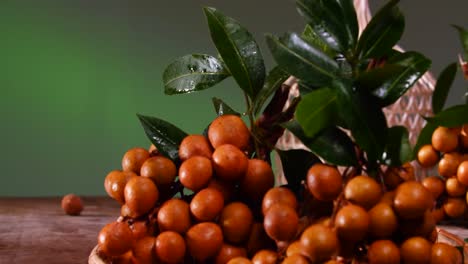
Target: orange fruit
352, 223
412, 200
294, 248
115, 239
195, 173
229, 129
258, 239
416, 250
319, 243
72, 204
454, 188
279, 195
281, 222
144, 250
295, 259
265, 257
388, 197
258, 179
383, 220
236, 221
449, 163
229, 163
442, 253
207, 204
159, 169
462, 173
324, 182
438, 214
134, 158
418, 227
170, 247
392, 178
444, 139
115, 182
174, 215
383, 252
226, 188
195, 145
228, 252
204, 240
139, 229
239, 260
141, 195
454, 207
363, 191
428, 156
435, 185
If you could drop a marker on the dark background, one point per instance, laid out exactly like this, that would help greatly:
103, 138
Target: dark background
73, 74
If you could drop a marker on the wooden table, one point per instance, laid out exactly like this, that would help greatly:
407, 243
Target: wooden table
36, 230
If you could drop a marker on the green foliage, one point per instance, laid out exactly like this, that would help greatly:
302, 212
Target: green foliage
222, 108
463, 33
398, 149
441, 90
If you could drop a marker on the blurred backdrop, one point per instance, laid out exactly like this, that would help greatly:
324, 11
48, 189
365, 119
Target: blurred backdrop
73, 74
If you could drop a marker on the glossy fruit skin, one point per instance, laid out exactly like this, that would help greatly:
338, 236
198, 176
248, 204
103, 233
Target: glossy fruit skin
294, 248
278, 195
454, 207
416, 250
258, 179
195, 173
428, 156
454, 188
462, 173
319, 243
434, 185
195, 145
448, 164
141, 194
174, 215
236, 221
363, 191
352, 223
228, 252
383, 221
170, 247
239, 260
442, 253
115, 182
204, 240
139, 229
229, 129
444, 139
144, 250
115, 239
207, 204
383, 252
229, 163
412, 200
324, 182
72, 204
265, 257
159, 169
133, 159
281, 222
295, 259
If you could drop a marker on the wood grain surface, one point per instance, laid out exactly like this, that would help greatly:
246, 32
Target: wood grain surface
36, 230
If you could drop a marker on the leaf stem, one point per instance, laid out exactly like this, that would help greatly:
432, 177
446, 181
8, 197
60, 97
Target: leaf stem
252, 121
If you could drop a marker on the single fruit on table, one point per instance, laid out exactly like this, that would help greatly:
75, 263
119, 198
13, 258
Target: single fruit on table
279, 195
281, 222
454, 207
115, 239
239, 260
418, 227
428, 156
412, 200
72, 204
229, 129
383, 252
144, 250
448, 165
352, 223
324, 182
258, 240
265, 256
133, 159
363, 191
319, 243
159, 169
236, 222
462, 172
229, 163
195, 173
444, 139
195, 145
258, 179
442, 253
383, 221
454, 188
435, 185
170, 247
204, 240
416, 250
228, 252
141, 194
174, 215
207, 204
115, 182
295, 259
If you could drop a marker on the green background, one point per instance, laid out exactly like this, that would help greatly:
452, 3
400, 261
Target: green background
73, 74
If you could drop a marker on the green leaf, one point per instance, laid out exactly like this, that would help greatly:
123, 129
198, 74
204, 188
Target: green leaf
413, 66
316, 111
295, 165
424, 137
310, 36
275, 78
383, 32
335, 21
451, 117
192, 73
299, 58
463, 38
364, 117
398, 148
332, 144
442, 87
164, 135
238, 49
222, 108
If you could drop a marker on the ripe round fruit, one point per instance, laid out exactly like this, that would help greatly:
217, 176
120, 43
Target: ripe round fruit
229, 129
295, 259
265, 256
141, 194
278, 195
363, 191
115, 239
207, 204
159, 169
438, 214
236, 221
195, 145
444, 139
383, 221
383, 252
139, 229
454, 188
258, 239
258, 179
174, 215
418, 227
412, 200
319, 243
427, 156
448, 165
229, 163
144, 250
134, 158
416, 250
239, 260
204, 240
195, 173
294, 248
352, 223
72, 204
442, 253
226, 188
392, 178
115, 182
324, 182
434, 185
170, 247
281, 222
228, 252
454, 207
462, 172
388, 198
